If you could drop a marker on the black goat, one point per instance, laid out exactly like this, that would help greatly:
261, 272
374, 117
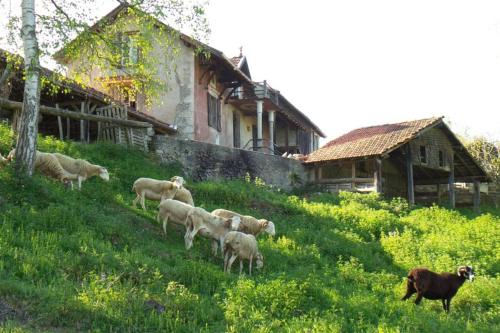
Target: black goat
432, 285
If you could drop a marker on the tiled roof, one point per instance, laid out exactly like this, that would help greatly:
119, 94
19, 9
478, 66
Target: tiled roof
371, 141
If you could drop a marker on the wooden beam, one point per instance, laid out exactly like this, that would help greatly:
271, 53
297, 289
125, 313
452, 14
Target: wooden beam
12, 105
377, 175
477, 197
82, 132
409, 175
451, 184
346, 180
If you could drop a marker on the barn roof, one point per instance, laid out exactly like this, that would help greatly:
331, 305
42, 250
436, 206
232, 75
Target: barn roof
379, 141
371, 141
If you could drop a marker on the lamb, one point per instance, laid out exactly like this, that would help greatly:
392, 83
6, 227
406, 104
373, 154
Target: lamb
212, 227
153, 189
80, 170
242, 246
249, 224
178, 212
430, 285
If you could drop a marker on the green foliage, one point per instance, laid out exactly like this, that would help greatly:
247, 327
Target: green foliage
87, 261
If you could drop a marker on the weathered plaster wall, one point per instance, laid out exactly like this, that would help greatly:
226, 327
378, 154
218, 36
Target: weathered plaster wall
202, 161
174, 105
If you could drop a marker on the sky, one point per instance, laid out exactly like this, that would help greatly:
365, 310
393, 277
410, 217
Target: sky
357, 63
350, 64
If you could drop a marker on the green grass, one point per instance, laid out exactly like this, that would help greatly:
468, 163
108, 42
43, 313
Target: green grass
87, 261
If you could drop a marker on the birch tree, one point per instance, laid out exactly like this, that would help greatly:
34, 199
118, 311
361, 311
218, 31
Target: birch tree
47, 25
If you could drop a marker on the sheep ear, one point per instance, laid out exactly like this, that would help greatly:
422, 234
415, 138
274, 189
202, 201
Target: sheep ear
265, 224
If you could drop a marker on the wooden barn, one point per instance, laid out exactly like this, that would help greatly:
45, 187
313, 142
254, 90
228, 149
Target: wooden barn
404, 159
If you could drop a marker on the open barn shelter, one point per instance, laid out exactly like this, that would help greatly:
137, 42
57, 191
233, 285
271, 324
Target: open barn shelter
71, 111
398, 160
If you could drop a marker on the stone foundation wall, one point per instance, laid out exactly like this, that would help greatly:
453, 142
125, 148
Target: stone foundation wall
205, 161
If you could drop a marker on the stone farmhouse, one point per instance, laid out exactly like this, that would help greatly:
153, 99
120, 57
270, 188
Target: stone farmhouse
211, 98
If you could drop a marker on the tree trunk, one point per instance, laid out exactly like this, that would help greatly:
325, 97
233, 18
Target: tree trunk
28, 124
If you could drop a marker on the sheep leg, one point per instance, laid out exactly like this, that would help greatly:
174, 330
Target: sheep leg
136, 200
233, 258
165, 221
241, 266
215, 247
448, 301
79, 182
419, 298
226, 259
143, 201
250, 265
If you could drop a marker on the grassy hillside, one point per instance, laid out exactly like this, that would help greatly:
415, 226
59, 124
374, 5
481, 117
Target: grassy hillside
87, 260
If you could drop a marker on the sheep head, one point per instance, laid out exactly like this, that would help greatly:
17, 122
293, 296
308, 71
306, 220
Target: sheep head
235, 223
178, 180
103, 173
259, 260
268, 227
467, 272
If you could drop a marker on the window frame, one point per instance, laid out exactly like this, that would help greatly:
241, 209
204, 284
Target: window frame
424, 159
214, 116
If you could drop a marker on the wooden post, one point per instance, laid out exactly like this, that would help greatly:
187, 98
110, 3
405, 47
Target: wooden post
68, 128
59, 122
409, 174
82, 111
477, 197
353, 175
438, 193
377, 175
451, 184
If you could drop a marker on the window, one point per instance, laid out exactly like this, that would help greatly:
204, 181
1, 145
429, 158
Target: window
129, 49
214, 114
441, 159
423, 154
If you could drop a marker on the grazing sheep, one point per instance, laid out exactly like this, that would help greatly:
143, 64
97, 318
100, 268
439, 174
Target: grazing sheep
179, 213
47, 164
242, 246
212, 227
434, 286
80, 170
249, 224
154, 189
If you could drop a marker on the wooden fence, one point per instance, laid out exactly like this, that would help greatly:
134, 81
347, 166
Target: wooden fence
112, 123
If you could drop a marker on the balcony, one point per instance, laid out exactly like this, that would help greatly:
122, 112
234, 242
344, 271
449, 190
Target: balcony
245, 96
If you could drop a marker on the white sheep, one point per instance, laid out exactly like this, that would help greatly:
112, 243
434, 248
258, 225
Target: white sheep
242, 246
81, 170
211, 227
249, 224
179, 213
47, 164
154, 189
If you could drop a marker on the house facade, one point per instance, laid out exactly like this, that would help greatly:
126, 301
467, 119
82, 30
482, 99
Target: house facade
211, 98
398, 160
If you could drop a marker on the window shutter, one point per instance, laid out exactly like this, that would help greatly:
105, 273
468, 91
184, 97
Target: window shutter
209, 109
